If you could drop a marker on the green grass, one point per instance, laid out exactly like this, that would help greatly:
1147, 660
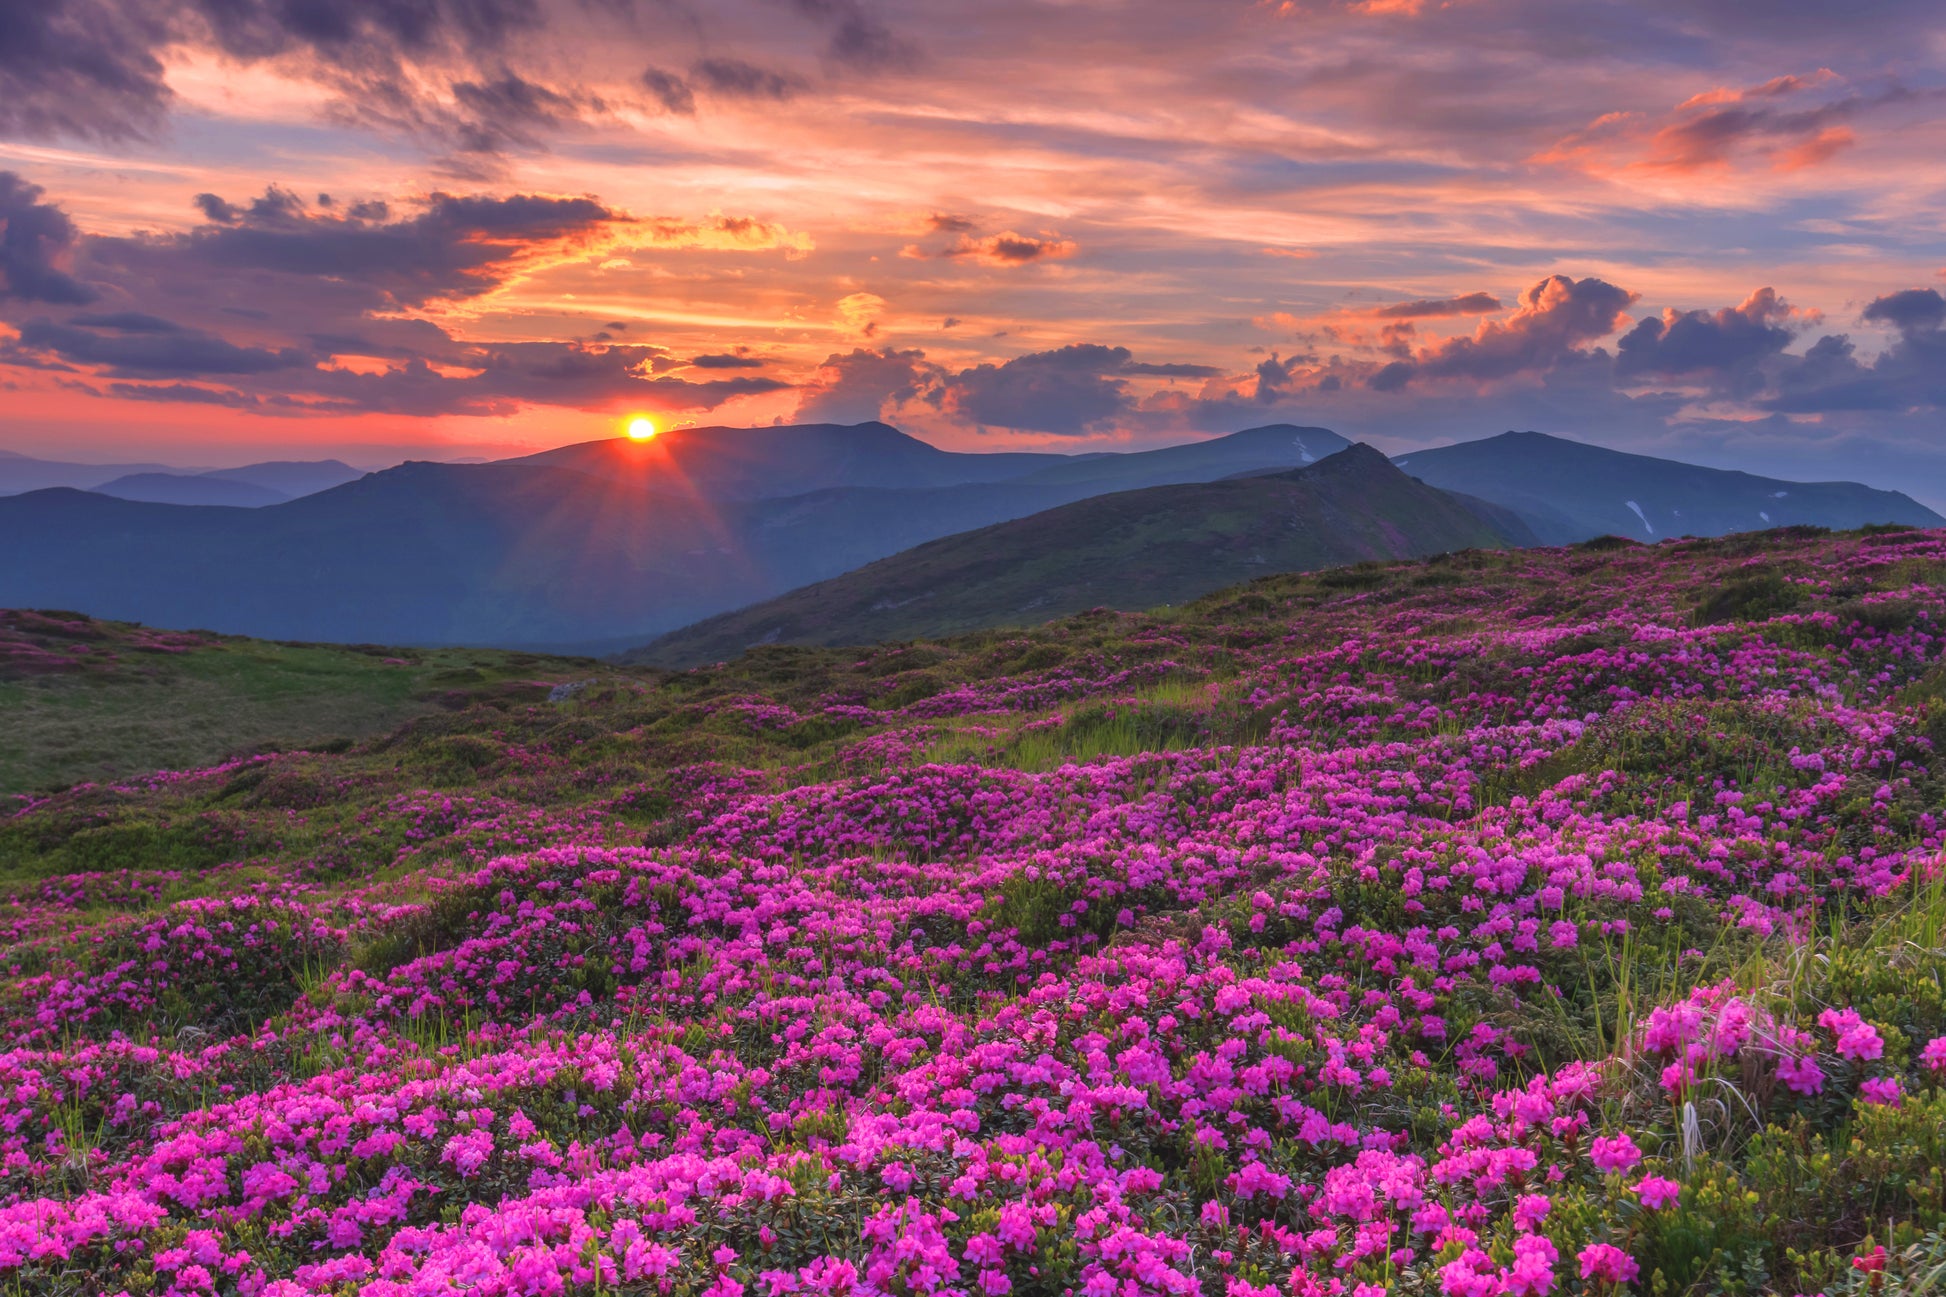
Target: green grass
151, 711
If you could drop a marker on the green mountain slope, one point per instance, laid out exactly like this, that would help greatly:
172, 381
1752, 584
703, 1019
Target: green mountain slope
1132, 549
82, 699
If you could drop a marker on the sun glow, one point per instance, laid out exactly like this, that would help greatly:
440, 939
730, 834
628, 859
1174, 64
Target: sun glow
640, 429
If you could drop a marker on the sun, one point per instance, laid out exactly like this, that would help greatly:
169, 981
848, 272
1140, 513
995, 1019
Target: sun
640, 429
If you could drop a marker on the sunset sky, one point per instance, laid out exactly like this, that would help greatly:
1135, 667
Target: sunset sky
248, 229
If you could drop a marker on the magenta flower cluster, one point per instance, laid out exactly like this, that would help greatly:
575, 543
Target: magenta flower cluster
1243, 1018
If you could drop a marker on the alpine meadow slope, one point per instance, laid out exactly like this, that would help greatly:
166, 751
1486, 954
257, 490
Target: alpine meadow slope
1128, 550
83, 700
1525, 922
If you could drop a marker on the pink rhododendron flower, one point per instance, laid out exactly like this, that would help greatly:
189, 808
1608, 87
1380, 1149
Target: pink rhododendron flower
1657, 1192
1801, 1074
1605, 1263
1881, 1089
1614, 1153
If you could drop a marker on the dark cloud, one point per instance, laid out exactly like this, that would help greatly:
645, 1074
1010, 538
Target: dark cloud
510, 111
1435, 308
671, 91
465, 74
736, 79
860, 386
949, 223
1010, 249
217, 210
125, 322
91, 67
153, 353
81, 67
1171, 370
184, 394
1275, 375
456, 247
35, 239
860, 40
1908, 376
1726, 346
1063, 391
345, 282
370, 29
1911, 311
1553, 322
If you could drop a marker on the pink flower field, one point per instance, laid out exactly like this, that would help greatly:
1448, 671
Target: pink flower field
1565, 921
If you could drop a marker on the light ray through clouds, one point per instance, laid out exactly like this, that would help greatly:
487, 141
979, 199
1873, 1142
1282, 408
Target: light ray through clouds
494, 224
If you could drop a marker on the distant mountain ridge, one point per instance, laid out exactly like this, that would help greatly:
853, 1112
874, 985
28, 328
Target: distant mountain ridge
768, 463
251, 486
1129, 550
1570, 491
23, 473
185, 488
605, 546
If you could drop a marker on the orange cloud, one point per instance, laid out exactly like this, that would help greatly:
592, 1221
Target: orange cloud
1010, 249
1777, 124
726, 234
859, 313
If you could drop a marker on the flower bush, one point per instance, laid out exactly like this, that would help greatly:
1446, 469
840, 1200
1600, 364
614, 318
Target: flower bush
1504, 924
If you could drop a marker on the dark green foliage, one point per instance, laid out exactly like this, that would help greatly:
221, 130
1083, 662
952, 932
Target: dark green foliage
1755, 598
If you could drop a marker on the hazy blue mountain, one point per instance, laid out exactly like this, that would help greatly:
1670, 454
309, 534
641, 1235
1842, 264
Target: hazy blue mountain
462, 554
607, 547
24, 473
1129, 549
769, 463
190, 488
595, 546
291, 478
1275, 446
1569, 491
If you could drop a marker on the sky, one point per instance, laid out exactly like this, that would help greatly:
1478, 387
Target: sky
233, 230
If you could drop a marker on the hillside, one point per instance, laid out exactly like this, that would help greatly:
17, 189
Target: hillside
284, 479
191, 489
1275, 446
21, 473
1588, 896
605, 546
463, 554
1135, 549
1569, 491
87, 700
612, 544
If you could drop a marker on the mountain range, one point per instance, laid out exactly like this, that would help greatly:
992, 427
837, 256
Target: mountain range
606, 545
1127, 549
251, 486
1569, 491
